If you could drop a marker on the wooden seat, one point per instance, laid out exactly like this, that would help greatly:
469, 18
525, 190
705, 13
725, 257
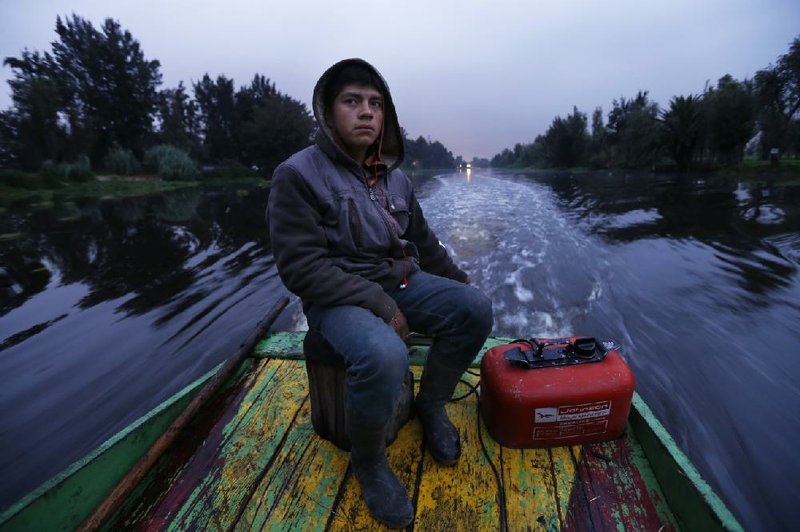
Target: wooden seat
327, 378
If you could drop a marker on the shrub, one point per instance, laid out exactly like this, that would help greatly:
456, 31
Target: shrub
170, 163
120, 161
20, 179
229, 169
80, 170
54, 173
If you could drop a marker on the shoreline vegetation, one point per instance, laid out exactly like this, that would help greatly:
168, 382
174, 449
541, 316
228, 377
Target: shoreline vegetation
89, 116
93, 105
17, 185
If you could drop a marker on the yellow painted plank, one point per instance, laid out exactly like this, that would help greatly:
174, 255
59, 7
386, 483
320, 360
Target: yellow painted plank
450, 498
564, 459
298, 491
404, 457
530, 490
251, 438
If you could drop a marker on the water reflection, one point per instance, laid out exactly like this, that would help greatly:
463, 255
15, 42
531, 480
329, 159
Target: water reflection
697, 276
119, 303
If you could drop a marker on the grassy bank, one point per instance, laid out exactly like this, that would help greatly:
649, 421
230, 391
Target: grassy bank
114, 187
787, 171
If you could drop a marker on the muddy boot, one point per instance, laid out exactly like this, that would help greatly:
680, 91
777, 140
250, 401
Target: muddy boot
436, 388
385, 496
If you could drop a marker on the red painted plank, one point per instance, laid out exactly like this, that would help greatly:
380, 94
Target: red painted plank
611, 492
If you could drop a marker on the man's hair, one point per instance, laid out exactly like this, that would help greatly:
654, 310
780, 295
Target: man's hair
349, 75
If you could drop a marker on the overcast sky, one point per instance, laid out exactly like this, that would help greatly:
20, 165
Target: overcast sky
477, 76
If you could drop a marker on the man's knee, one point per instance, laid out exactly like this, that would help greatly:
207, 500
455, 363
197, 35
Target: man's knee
480, 317
383, 362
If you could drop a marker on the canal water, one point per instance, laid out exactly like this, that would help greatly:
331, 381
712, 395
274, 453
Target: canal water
116, 304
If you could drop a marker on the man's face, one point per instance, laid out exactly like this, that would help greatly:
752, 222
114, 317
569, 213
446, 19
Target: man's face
357, 118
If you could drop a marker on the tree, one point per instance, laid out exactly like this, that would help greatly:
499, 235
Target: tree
503, 159
730, 118
8, 140
566, 140
177, 118
273, 125
778, 97
634, 131
425, 153
33, 130
599, 155
107, 86
218, 122
682, 124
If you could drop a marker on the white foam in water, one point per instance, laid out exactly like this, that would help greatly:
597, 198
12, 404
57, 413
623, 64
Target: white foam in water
517, 246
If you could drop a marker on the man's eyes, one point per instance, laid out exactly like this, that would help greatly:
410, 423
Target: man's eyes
375, 104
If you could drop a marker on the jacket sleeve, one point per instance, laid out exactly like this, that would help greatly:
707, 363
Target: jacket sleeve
301, 251
433, 257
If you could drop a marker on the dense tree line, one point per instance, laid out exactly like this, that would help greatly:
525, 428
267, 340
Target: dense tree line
425, 153
96, 98
709, 129
93, 103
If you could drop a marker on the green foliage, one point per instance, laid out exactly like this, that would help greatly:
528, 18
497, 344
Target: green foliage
170, 163
95, 93
78, 171
228, 169
566, 140
20, 179
178, 119
777, 91
634, 132
217, 110
95, 89
109, 88
425, 153
121, 161
682, 129
33, 131
730, 112
273, 125
8, 140
712, 128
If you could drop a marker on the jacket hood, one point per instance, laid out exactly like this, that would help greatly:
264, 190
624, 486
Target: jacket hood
391, 142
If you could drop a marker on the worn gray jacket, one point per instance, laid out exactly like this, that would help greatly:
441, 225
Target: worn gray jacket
336, 241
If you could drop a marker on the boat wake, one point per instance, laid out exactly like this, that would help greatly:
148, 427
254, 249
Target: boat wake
516, 245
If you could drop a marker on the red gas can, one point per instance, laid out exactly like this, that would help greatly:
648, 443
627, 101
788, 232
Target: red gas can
547, 393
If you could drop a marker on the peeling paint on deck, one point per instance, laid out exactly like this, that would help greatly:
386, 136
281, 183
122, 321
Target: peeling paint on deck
261, 466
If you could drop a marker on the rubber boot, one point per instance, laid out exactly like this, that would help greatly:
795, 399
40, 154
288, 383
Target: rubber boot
436, 388
385, 496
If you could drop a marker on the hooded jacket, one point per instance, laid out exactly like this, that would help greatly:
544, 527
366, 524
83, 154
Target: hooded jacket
338, 241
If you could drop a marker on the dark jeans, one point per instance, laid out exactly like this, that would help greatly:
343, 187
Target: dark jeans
458, 316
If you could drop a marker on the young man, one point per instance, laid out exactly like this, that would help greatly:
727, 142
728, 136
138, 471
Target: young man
350, 240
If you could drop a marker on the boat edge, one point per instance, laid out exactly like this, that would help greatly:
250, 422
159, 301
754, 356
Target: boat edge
692, 500
170, 408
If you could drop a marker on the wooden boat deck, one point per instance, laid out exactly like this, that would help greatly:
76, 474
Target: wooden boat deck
253, 461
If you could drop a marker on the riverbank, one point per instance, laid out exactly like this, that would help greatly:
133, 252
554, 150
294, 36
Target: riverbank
42, 192
786, 172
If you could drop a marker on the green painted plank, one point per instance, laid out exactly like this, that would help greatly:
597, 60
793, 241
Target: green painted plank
692, 500
139, 509
66, 500
298, 491
245, 446
289, 345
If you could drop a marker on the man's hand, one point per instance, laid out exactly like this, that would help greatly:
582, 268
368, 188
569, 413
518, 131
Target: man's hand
399, 324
